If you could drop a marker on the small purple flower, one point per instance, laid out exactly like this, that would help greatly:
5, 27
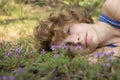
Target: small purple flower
63, 46
4, 78
78, 47
11, 77
18, 43
108, 53
17, 50
9, 53
112, 52
56, 55
99, 55
5, 52
12, 48
43, 51
54, 48
6, 56
19, 70
110, 59
106, 65
16, 56
57, 47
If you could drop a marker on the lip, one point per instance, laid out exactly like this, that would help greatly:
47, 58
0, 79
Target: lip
86, 40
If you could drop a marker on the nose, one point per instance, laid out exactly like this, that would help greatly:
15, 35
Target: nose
78, 39
73, 40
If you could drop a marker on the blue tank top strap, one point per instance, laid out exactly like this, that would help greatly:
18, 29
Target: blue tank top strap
110, 21
111, 45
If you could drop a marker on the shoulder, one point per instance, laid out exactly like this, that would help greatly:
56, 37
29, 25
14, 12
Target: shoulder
111, 8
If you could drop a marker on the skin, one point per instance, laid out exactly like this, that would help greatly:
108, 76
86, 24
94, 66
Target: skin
111, 8
91, 36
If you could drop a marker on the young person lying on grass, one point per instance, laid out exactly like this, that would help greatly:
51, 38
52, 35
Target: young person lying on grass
74, 28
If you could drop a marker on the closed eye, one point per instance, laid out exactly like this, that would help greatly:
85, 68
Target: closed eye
73, 44
68, 31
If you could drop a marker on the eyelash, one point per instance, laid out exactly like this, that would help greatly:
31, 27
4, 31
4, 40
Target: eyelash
68, 31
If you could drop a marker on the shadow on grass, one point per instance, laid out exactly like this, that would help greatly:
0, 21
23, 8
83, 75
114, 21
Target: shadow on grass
8, 21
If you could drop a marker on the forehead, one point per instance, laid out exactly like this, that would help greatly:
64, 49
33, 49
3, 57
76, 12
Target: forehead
78, 27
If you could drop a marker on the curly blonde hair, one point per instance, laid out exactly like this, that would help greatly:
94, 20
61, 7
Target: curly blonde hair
51, 30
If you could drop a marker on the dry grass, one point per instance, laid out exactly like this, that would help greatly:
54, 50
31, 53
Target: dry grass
14, 30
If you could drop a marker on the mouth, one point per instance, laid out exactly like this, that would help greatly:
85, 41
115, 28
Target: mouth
86, 40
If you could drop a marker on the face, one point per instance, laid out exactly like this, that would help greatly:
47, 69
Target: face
80, 37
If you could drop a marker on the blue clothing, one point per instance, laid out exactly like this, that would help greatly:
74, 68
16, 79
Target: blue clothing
110, 21
111, 45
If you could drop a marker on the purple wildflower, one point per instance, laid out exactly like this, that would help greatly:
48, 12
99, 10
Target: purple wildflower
16, 56
110, 59
4, 78
112, 52
99, 55
108, 53
5, 56
9, 53
17, 50
56, 55
56, 47
78, 47
18, 43
11, 77
63, 46
20, 49
19, 70
106, 65
12, 48
43, 51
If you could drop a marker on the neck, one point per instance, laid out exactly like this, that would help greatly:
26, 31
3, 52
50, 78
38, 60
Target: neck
105, 33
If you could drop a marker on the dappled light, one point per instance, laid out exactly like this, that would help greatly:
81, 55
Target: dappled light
19, 60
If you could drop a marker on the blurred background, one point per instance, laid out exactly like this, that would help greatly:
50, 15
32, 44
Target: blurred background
19, 17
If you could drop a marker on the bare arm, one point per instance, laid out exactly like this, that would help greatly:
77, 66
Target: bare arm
111, 8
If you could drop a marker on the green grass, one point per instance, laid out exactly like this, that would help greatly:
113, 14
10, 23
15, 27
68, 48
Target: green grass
20, 61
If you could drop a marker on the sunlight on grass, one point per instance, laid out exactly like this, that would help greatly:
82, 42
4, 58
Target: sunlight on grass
14, 31
12, 28
19, 60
